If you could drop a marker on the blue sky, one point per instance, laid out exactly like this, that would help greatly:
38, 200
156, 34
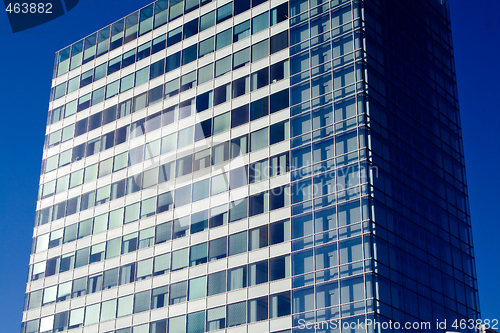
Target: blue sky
27, 59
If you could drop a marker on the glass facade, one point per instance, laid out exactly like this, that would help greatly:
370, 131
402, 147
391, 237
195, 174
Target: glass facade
283, 166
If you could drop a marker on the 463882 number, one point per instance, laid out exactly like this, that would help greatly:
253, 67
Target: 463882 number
29, 8
471, 324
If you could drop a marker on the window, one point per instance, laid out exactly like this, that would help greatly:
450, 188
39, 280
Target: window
218, 216
64, 291
241, 30
207, 20
116, 218
216, 283
190, 5
303, 300
280, 100
132, 213
351, 289
74, 83
223, 39
238, 243
85, 79
220, 153
279, 304
260, 22
159, 326
204, 101
186, 137
161, 264
190, 28
125, 306
141, 301
279, 132
108, 310
60, 321
157, 69
260, 50
238, 177
114, 65
279, 14
216, 318
168, 116
173, 61
259, 108
203, 130
176, 9
159, 297
97, 252
184, 167
75, 318
258, 273
279, 268
239, 146
221, 95
143, 51
205, 74
172, 88
222, 122
144, 269
220, 184
127, 273
224, 12
159, 43
67, 262
217, 249
279, 42
128, 58
238, 210
79, 287
197, 288
240, 116
129, 243
110, 278
257, 238
259, 79
199, 222
126, 82
168, 143
236, 314
258, 139
188, 81
55, 238
241, 58
189, 54
174, 36
206, 47
113, 247
257, 309
201, 160
163, 232
131, 27
241, 6
82, 257
35, 300
201, 190
241, 86
198, 254
178, 292
181, 225
180, 259
165, 202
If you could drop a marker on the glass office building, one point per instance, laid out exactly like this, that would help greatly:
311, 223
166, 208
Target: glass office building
255, 166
